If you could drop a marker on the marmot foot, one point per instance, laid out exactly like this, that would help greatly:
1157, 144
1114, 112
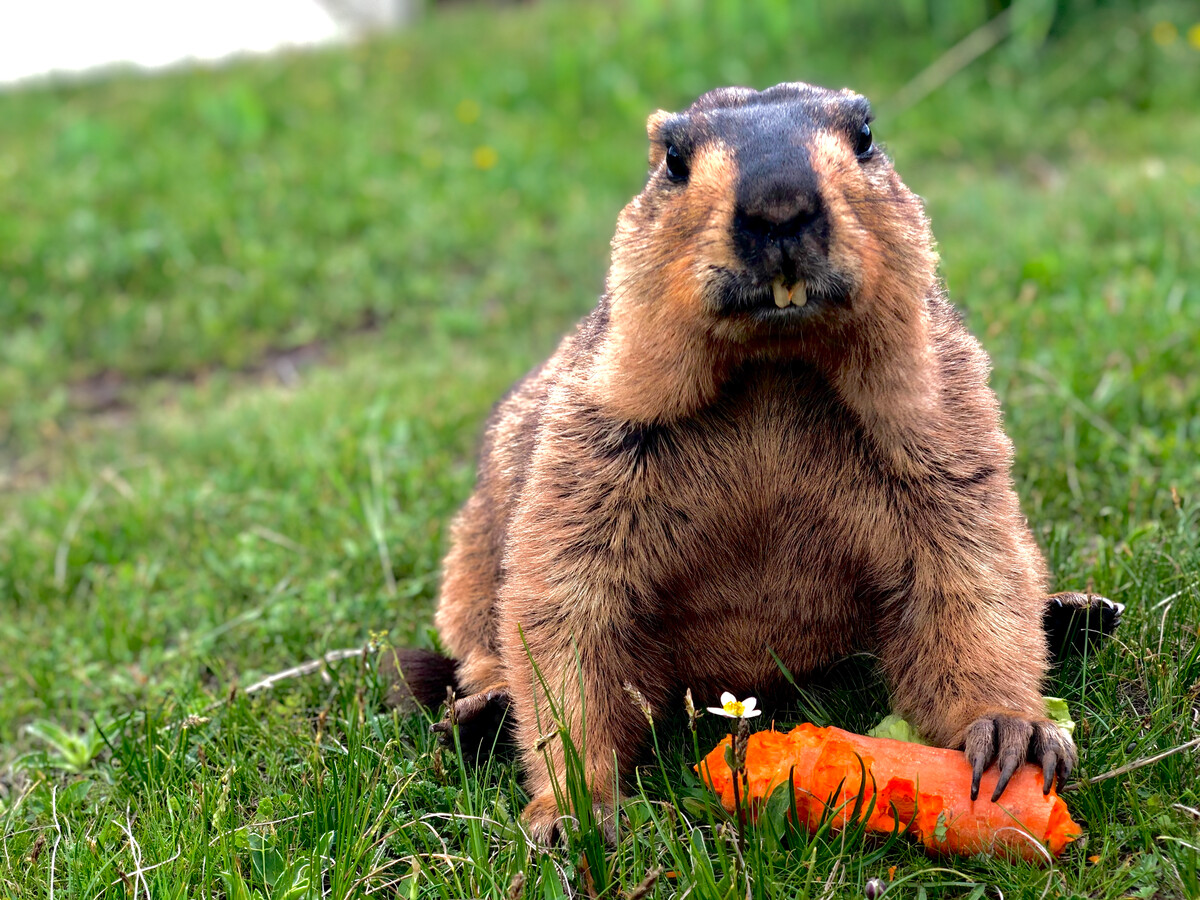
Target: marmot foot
479, 717
1075, 622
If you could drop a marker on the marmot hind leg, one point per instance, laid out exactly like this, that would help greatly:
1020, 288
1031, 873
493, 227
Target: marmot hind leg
480, 718
422, 679
415, 678
466, 615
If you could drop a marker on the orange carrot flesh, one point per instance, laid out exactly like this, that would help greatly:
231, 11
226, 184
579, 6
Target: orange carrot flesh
923, 791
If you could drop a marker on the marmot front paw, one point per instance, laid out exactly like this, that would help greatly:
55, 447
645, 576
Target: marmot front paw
1011, 738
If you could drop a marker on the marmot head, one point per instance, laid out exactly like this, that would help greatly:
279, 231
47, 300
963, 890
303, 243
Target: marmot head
771, 216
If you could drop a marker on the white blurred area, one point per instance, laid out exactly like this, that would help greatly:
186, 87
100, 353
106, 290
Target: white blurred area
53, 37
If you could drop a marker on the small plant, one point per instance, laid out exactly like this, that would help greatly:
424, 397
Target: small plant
67, 752
735, 755
282, 880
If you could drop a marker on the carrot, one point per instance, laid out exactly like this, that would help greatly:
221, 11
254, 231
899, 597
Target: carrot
923, 791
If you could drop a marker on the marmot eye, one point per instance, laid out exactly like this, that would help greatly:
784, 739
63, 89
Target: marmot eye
863, 142
677, 167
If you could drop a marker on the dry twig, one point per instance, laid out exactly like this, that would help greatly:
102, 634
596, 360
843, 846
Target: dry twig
1136, 764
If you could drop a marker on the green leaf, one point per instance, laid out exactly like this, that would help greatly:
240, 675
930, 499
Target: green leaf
1057, 712
74, 794
897, 729
267, 862
71, 752
293, 883
939, 829
235, 886
772, 821
552, 888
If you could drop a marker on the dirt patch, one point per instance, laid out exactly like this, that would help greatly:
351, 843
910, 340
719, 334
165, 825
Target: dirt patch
108, 400
109, 392
98, 393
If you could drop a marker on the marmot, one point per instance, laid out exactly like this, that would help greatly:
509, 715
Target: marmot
772, 437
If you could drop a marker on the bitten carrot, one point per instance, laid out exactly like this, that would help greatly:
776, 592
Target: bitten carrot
923, 791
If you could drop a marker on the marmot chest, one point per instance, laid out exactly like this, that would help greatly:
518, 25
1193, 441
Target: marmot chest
753, 508
756, 497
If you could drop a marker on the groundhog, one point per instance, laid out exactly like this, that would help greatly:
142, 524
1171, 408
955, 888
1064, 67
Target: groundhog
773, 438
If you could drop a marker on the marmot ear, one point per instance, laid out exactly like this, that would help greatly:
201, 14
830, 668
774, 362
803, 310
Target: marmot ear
655, 123
654, 126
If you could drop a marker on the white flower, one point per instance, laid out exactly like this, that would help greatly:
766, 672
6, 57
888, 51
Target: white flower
733, 708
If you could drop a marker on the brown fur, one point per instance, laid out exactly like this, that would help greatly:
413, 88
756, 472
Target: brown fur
677, 494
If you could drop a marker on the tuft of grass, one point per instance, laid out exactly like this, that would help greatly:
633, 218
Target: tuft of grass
251, 320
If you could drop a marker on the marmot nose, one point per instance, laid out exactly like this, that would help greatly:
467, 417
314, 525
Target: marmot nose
779, 214
783, 233
781, 226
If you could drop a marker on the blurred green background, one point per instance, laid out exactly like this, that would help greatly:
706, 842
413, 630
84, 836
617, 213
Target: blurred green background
252, 318
465, 183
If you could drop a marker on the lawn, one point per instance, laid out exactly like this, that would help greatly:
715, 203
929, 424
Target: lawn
251, 320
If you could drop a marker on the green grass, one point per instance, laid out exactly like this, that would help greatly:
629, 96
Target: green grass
176, 520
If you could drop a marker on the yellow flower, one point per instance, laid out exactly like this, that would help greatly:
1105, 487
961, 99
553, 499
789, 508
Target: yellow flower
467, 111
485, 157
1164, 33
733, 708
1194, 35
